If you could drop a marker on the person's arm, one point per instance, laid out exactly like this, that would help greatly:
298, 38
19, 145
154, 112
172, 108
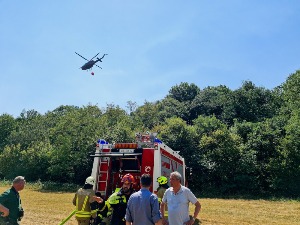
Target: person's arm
162, 211
4, 210
196, 212
128, 217
197, 209
158, 222
156, 215
74, 199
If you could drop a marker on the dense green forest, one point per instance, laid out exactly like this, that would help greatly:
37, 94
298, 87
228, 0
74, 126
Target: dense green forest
243, 141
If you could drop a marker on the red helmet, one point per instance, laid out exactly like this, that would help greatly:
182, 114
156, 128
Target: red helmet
128, 179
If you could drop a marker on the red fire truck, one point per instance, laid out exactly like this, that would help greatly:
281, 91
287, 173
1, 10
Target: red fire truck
147, 155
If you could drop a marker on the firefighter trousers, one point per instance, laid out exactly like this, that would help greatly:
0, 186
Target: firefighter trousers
83, 222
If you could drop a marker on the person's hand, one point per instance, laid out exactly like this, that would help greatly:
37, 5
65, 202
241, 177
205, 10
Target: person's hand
97, 199
5, 212
165, 222
190, 222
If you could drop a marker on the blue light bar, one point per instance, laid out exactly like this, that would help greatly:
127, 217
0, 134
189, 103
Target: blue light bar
102, 141
157, 140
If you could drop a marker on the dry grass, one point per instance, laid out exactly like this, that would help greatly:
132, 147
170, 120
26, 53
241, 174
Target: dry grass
45, 208
51, 207
245, 212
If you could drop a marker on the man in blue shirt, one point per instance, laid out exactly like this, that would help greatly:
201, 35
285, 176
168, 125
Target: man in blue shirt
143, 207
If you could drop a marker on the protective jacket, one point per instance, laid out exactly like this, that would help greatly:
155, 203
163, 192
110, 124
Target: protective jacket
82, 200
102, 211
118, 202
160, 193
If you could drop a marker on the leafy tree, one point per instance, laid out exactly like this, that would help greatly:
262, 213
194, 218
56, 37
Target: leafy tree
291, 90
112, 114
254, 104
170, 107
131, 106
30, 127
220, 156
287, 179
73, 140
263, 142
243, 129
184, 92
180, 137
7, 126
63, 110
178, 102
177, 134
35, 161
32, 162
146, 116
121, 132
216, 101
206, 125
183, 138
11, 158
241, 141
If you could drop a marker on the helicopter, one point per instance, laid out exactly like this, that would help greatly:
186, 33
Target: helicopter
91, 62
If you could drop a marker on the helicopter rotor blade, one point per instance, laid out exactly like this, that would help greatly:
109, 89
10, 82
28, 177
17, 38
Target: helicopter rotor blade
98, 66
81, 56
103, 56
94, 56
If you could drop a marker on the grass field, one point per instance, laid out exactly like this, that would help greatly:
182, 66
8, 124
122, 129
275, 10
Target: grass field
52, 207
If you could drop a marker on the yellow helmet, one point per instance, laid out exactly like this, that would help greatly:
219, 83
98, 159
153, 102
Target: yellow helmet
162, 180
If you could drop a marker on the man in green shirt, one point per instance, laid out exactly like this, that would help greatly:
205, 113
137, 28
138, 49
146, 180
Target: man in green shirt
11, 210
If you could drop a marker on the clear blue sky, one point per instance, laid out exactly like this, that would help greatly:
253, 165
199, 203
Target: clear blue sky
151, 46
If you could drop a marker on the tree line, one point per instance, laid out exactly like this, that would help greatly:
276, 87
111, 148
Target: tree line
243, 141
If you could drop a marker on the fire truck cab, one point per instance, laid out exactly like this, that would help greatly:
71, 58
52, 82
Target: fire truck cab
147, 155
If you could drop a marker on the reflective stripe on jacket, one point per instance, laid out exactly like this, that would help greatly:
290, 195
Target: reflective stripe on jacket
83, 200
115, 199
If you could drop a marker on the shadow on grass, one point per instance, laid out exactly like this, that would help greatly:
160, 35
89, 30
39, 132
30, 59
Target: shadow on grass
50, 187
268, 196
45, 186
197, 222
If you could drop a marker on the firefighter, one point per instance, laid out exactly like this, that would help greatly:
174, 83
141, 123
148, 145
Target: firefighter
102, 211
118, 200
83, 199
162, 187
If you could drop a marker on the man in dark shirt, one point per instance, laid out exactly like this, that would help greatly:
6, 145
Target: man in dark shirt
11, 211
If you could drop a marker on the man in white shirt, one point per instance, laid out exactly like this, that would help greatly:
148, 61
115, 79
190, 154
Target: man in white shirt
178, 197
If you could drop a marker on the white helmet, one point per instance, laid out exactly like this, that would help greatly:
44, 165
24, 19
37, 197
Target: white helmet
90, 180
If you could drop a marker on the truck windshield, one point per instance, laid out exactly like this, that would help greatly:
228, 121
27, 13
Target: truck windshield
126, 164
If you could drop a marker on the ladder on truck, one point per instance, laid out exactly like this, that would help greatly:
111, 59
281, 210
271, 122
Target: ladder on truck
103, 175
